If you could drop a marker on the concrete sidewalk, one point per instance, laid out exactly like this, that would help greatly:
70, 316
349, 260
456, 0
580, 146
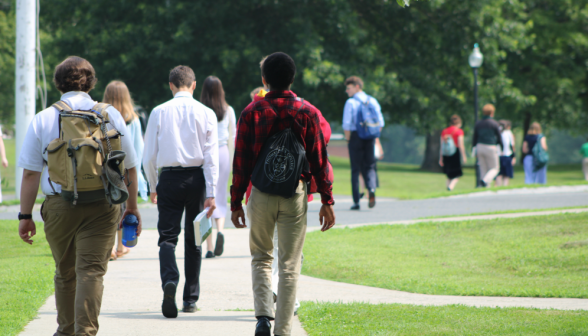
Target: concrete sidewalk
132, 295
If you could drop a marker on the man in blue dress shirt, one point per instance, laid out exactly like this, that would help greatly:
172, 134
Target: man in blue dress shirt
361, 151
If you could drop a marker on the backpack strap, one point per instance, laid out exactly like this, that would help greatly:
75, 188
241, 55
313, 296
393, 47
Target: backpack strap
300, 108
62, 106
101, 108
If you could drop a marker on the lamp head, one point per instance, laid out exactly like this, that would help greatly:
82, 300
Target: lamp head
476, 58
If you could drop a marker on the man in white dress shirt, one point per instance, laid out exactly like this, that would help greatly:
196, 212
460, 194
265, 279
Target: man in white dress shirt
181, 140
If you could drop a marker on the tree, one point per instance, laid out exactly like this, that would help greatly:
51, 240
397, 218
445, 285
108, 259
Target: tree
413, 59
7, 51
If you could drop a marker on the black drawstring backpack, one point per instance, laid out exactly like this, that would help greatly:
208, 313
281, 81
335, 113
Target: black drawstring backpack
280, 162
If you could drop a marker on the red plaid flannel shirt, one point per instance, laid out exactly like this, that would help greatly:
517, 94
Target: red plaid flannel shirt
256, 125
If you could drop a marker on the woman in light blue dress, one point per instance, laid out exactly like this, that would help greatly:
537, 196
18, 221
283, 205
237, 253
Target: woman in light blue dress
117, 94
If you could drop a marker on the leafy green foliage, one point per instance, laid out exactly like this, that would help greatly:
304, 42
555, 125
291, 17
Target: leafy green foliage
7, 52
413, 59
324, 318
533, 256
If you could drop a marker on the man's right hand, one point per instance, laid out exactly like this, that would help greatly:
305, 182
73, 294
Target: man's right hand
327, 217
235, 216
26, 230
153, 196
441, 161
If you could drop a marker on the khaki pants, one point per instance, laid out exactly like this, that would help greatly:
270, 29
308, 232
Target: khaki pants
265, 213
81, 239
585, 168
488, 160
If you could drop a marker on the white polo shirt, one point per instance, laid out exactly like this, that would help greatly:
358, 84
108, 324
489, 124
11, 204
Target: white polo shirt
45, 128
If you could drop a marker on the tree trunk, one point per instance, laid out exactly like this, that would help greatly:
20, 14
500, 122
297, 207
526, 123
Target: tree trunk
431, 159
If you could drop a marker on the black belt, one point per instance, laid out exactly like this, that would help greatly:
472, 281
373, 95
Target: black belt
180, 168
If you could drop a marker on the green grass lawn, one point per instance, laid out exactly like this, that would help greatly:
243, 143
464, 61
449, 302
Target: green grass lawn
26, 277
409, 182
397, 319
543, 256
502, 212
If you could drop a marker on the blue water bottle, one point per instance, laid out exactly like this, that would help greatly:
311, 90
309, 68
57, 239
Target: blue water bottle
129, 231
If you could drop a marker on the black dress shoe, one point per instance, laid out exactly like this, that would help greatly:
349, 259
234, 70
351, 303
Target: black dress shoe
354, 207
168, 307
219, 247
263, 327
190, 307
209, 254
372, 201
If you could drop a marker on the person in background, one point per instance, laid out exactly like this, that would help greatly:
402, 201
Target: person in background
534, 136
452, 164
213, 96
361, 151
3, 157
80, 236
507, 157
117, 94
486, 138
181, 140
584, 152
258, 92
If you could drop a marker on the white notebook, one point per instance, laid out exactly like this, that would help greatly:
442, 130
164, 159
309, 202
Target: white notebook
202, 227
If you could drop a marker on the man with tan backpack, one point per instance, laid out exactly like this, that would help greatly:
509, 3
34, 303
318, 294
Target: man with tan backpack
77, 151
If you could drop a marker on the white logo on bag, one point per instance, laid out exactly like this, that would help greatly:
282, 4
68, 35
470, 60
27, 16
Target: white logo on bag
279, 165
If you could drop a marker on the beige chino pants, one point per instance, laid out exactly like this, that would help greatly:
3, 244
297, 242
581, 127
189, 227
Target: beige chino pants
489, 162
585, 168
81, 239
265, 213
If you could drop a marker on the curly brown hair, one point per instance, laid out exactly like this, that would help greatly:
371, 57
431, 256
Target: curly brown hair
74, 74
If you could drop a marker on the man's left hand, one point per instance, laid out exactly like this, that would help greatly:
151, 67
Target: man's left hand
137, 214
327, 217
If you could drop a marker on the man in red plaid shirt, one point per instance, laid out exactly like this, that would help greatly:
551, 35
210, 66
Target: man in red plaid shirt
258, 122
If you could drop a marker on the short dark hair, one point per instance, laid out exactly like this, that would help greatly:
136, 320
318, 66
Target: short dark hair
74, 74
279, 70
505, 123
455, 120
182, 76
355, 81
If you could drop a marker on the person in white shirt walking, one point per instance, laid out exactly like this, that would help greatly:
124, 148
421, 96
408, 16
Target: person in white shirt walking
213, 96
507, 156
80, 236
182, 140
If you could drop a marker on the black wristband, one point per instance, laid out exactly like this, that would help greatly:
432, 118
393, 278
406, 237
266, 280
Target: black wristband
21, 216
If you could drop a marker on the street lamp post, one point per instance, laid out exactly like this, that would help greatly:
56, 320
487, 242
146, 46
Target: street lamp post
476, 59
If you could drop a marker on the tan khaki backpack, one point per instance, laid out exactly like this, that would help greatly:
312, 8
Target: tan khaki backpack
86, 159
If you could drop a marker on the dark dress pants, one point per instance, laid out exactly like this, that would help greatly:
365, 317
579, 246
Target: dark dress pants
178, 191
363, 161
